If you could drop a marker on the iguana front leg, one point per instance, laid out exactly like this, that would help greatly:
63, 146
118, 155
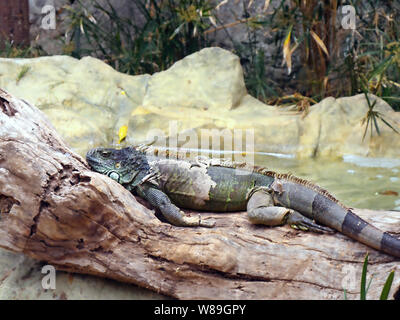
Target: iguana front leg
261, 210
171, 212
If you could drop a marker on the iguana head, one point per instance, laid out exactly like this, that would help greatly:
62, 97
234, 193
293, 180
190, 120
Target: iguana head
126, 166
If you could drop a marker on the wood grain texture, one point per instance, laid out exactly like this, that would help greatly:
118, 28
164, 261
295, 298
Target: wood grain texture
53, 208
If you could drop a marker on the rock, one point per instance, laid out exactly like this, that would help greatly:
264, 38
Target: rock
193, 83
83, 98
334, 128
88, 101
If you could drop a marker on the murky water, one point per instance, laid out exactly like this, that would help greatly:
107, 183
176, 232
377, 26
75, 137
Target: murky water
356, 181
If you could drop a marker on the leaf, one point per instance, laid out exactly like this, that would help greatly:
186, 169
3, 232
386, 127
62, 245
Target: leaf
369, 284
81, 26
320, 43
389, 193
266, 5
92, 19
363, 291
24, 70
387, 286
177, 30
366, 127
394, 83
376, 124
391, 98
122, 132
380, 68
287, 53
212, 20
221, 4
388, 124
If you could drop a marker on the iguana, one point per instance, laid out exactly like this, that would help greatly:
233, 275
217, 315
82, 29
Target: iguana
270, 198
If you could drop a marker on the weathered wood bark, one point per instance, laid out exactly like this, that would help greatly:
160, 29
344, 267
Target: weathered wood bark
54, 208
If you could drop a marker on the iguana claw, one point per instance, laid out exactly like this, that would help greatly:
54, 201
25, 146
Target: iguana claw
197, 222
300, 222
207, 223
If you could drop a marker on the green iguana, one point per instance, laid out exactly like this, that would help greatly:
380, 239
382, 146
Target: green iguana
270, 198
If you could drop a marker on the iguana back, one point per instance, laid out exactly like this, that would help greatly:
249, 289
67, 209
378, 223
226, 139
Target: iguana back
210, 188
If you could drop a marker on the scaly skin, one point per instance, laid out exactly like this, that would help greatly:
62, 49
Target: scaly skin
269, 198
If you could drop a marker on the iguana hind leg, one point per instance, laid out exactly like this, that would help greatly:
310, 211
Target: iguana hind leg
171, 212
261, 210
297, 221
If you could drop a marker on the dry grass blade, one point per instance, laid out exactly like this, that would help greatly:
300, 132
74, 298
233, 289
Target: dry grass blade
221, 4
227, 25
212, 20
394, 83
266, 5
320, 43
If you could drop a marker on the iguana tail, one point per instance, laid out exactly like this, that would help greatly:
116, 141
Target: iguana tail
316, 203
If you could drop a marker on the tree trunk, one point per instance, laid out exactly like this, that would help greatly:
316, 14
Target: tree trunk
14, 21
55, 209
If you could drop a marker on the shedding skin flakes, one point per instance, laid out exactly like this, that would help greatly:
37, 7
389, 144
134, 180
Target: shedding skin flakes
198, 182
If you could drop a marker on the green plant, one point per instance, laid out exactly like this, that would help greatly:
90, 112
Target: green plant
257, 81
252, 57
24, 70
375, 62
333, 61
9, 50
372, 116
156, 34
364, 287
306, 28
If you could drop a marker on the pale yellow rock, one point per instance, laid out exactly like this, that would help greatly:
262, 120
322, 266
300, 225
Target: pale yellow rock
194, 101
209, 80
334, 128
266, 123
84, 99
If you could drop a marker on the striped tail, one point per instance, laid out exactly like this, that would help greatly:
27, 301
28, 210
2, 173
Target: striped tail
358, 229
316, 203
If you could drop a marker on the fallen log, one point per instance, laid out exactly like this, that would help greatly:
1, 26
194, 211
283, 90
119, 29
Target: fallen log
53, 208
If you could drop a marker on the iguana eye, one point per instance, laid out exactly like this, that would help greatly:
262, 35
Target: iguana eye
117, 165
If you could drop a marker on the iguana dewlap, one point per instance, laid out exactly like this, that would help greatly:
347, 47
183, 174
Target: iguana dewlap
269, 198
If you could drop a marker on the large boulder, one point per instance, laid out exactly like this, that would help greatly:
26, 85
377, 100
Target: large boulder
88, 102
83, 98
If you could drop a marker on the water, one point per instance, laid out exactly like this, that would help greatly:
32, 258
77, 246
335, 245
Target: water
356, 181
